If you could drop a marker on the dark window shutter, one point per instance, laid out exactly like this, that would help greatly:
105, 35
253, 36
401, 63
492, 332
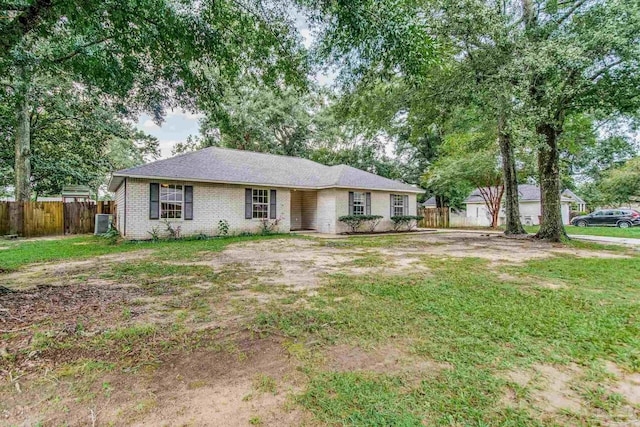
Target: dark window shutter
247, 203
350, 202
405, 210
391, 205
367, 207
154, 200
272, 203
188, 202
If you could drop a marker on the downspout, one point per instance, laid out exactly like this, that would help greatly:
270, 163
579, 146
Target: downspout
125, 208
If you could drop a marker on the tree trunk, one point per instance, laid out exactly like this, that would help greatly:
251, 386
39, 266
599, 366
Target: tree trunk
513, 224
551, 227
22, 137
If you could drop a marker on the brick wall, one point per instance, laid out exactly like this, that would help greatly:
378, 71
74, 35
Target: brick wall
211, 203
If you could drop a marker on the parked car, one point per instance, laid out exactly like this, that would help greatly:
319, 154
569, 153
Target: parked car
622, 217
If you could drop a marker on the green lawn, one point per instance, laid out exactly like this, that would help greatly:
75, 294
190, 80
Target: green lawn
14, 254
450, 332
631, 232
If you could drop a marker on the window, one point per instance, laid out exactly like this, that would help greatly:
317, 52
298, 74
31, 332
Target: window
171, 201
398, 205
260, 205
359, 203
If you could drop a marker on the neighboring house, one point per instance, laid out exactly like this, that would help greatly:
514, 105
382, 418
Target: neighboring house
430, 203
76, 193
71, 193
530, 207
199, 189
576, 202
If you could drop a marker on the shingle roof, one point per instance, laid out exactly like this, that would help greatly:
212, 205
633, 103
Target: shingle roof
526, 192
430, 202
225, 165
571, 195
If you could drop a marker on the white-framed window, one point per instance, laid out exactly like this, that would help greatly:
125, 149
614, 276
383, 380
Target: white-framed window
171, 201
398, 205
260, 204
359, 203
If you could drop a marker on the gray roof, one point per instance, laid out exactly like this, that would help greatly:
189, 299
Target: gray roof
573, 196
526, 193
225, 165
430, 202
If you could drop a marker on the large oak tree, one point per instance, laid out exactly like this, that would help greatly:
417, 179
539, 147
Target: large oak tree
143, 55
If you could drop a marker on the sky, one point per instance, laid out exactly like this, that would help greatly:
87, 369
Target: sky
179, 124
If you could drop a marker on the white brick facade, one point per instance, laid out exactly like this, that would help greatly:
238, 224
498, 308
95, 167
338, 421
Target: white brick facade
215, 202
380, 205
211, 203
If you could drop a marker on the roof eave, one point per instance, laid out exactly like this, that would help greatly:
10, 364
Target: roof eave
262, 184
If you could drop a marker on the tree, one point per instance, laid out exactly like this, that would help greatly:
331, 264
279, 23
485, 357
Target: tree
622, 185
470, 160
260, 118
540, 63
146, 54
76, 138
575, 57
478, 170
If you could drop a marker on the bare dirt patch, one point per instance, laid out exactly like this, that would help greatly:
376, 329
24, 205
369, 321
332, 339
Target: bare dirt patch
301, 264
625, 383
549, 386
389, 358
493, 247
220, 388
61, 272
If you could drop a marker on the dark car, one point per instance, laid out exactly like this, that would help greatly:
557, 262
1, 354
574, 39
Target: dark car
621, 217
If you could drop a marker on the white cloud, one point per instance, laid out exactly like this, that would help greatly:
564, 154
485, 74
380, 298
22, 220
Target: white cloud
149, 125
306, 35
165, 147
187, 115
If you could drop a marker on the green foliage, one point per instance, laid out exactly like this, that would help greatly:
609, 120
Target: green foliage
77, 137
622, 185
138, 56
405, 221
112, 235
223, 227
355, 222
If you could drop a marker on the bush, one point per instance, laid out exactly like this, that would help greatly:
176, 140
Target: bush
356, 221
112, 234
223, 227
268, 226
405, 221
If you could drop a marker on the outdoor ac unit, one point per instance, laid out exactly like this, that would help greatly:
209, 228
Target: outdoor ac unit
103, 223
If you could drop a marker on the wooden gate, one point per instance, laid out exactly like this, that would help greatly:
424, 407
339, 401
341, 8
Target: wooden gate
79, 217
434, 218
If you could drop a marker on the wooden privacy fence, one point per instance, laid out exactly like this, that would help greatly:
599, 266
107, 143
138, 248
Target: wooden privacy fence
31, 219
434, 218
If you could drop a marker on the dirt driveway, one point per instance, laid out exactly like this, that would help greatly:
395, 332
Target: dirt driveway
139, 339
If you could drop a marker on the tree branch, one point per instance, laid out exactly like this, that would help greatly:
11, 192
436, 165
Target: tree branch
79, 50
605, 69
570, 12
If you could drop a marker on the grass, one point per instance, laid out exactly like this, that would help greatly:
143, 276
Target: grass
631, 232
469, 321
463, 314
23, 252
